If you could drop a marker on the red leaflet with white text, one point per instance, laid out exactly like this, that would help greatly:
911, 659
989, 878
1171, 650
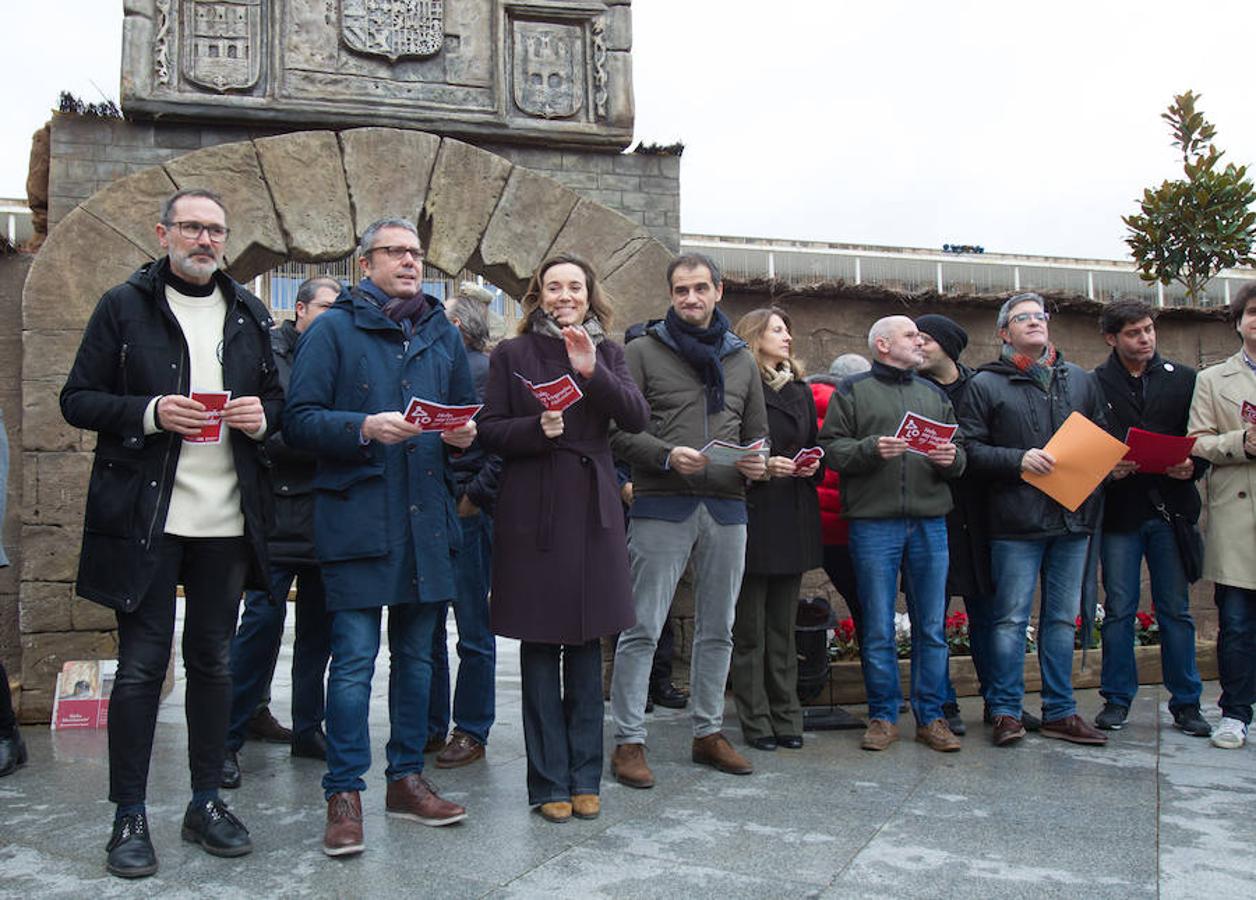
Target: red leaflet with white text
1248, 412
807, 455
432, 416
555, 395
923, 435
211, 432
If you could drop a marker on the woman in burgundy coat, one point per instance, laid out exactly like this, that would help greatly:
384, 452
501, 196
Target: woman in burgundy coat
560, 563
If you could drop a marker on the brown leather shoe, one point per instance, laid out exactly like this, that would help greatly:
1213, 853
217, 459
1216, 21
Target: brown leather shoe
938, 736
586, 806
411, 797
265, 727
879, 734
714, 750
1073, 728
1007, 730
555, 811
629, 767
435, 744
343, 835
461, 750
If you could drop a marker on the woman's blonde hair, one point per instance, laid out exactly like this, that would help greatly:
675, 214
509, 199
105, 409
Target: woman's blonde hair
598, 304
751, 328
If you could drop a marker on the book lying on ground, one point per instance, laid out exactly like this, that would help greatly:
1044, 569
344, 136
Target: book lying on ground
1155, 452
83, 690
555, 395
923, 434
432, 416
726, 453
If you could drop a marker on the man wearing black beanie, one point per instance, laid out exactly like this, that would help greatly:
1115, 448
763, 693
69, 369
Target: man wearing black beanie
969, 574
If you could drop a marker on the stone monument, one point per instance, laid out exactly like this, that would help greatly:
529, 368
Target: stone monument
556, 72
497, 125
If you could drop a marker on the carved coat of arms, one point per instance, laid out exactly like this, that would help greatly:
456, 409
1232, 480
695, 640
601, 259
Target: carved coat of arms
393, 28
548, 69
222, 43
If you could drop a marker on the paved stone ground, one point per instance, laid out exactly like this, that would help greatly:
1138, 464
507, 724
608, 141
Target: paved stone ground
1155, 813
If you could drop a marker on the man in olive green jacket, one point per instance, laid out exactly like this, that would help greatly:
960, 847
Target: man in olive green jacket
896, 498
702, 384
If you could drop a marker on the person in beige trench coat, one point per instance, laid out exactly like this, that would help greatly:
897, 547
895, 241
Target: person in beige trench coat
1226, 437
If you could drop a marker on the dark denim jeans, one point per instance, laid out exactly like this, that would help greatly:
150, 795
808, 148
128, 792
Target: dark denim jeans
879, 549
354, 646
1236, 651
562, 719
255, 649
212, 572
1018, 566
1123, 554
474, 696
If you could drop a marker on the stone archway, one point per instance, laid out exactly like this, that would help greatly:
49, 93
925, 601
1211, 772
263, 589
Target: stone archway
304, 196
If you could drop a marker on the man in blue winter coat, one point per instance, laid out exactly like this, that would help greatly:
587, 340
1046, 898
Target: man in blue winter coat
385, 525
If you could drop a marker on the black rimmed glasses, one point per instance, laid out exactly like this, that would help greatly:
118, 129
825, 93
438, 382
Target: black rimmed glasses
192, 231
398, 253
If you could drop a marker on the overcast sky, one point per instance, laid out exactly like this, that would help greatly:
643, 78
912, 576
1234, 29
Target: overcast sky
887, 122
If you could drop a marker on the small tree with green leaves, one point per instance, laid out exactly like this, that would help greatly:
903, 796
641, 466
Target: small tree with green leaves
1190, 229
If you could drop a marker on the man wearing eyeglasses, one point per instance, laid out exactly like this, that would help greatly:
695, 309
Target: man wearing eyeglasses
385, 524
1013, 407
178, 495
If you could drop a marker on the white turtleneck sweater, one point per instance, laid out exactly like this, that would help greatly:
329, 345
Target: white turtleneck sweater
206, 497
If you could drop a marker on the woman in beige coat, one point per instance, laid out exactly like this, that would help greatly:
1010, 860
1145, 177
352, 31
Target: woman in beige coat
1223, 422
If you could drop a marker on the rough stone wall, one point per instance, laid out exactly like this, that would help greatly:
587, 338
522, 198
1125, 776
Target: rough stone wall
87, 154
13, 269
304, 196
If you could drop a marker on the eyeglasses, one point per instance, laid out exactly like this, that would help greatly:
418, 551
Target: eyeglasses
396, 254
1022, 318
192, 231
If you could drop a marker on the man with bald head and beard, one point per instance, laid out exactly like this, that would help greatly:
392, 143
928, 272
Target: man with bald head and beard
896, 501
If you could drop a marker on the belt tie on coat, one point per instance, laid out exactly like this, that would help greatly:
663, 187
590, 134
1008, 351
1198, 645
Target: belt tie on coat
599, 466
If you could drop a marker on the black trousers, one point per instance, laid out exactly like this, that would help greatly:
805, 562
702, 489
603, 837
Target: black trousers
212, 572
841, 571
7, 720
562, 718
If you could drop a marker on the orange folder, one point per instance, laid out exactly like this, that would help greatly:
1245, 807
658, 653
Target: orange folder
1084, 455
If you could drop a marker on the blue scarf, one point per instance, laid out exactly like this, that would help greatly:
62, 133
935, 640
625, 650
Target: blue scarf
700, 347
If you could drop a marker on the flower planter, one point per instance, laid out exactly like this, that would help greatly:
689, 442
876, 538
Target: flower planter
846, 684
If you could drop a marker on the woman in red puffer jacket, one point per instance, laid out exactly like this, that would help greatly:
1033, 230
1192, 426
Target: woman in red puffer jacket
837, 563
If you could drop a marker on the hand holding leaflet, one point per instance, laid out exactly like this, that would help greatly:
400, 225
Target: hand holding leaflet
1084, 455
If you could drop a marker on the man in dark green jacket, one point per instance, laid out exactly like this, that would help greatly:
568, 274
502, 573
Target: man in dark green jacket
896, 498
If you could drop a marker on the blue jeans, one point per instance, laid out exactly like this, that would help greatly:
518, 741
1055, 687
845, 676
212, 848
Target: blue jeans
879, 548
1122, 554
1017, 567
255, 648
354, 646
474, 697
1236, 651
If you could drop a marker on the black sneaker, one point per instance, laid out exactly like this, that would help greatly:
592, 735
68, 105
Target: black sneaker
130, 848
1189, 720
12, 749
230, 770
1030, 722
216, 828
950, 712
1111, 717
310, 744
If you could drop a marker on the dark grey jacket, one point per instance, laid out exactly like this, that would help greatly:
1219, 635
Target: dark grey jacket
1004, 413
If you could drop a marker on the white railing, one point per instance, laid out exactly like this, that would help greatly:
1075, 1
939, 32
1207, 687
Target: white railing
805, 263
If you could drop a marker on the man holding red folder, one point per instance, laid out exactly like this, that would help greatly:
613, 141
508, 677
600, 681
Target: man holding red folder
1142, 390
